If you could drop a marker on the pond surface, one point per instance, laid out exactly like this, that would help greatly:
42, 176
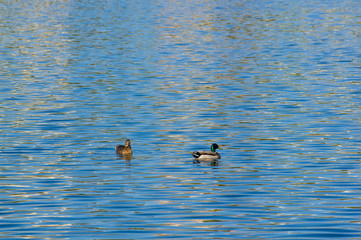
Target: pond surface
275, 83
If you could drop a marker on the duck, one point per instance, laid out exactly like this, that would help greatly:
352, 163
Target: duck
124, 150
208, 155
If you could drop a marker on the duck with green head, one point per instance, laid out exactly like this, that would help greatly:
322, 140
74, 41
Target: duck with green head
208, 155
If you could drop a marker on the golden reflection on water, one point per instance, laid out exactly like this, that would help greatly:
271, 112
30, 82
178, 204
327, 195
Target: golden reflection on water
175, 76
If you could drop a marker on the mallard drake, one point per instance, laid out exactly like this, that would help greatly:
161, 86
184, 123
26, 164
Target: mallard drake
124, 150
208, 155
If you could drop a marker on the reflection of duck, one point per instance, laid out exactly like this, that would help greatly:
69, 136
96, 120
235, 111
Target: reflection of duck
208, 155
124, 150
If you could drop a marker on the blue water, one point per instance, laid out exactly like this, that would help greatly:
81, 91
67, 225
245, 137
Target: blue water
275, 83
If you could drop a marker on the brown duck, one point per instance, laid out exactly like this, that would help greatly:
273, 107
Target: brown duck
124, 150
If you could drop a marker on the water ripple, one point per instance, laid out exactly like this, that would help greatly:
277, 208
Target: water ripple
274, 84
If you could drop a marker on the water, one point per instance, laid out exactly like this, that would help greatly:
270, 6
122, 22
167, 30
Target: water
274, 83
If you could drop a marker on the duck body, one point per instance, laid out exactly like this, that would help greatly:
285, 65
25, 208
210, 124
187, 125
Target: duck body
124, 149
207, 155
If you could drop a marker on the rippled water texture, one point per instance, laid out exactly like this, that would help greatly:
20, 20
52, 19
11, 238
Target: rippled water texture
275, 83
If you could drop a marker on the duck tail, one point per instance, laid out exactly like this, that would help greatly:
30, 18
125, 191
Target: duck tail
196, 154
